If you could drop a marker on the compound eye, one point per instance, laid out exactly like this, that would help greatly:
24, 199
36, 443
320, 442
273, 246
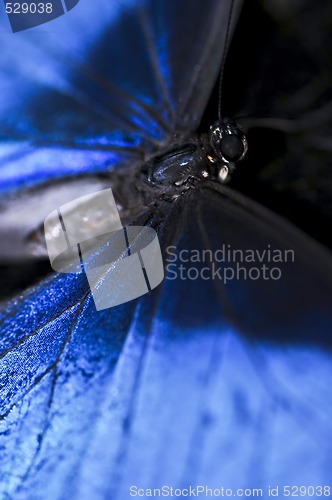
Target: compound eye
228, 142
231, 147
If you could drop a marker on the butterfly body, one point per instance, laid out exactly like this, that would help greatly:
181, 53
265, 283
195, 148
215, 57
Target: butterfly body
173, 173
187, 166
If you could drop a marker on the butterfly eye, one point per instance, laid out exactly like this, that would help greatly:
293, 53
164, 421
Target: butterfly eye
228, 142
231, 147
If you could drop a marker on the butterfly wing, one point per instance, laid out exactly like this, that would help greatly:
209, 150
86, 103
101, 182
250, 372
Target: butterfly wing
150, 394
105, 83
105, 87
302, 277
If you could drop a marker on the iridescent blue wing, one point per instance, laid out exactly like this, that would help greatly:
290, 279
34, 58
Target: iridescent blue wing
105, 85
100, 90
58, 360
297, 294
197, 381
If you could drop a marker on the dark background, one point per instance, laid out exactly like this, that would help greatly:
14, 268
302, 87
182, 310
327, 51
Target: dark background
279, 66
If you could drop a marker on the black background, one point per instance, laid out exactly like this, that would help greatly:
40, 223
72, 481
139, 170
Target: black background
279, 65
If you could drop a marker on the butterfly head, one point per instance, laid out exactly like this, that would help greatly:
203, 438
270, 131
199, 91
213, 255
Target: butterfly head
228, 145
187, 166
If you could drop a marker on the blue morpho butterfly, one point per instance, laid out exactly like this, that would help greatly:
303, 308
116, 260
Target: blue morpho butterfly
199, 382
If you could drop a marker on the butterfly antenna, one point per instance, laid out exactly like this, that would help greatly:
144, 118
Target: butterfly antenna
222, 70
